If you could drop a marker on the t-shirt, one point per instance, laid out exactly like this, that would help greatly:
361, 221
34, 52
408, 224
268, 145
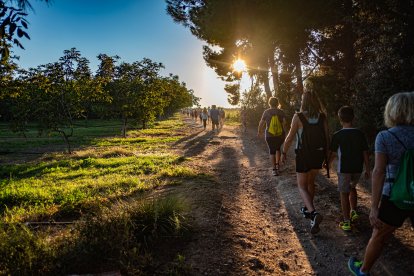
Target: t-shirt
267, 117
350, 144
214, 114
389, 145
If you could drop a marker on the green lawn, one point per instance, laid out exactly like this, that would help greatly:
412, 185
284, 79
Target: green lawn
101, 187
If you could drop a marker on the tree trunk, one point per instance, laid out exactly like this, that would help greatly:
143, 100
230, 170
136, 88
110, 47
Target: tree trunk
66, 139
264, 78
274, 67
298, 75
349, 50
124, 126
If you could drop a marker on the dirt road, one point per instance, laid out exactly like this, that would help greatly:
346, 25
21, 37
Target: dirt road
247, 222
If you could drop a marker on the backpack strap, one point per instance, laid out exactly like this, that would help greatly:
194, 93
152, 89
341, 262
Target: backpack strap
398, 139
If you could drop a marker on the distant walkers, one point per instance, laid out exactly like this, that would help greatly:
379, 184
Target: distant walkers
222, 116
215, 117
311, 129
204, 117
351, 147
274, 121
393, 169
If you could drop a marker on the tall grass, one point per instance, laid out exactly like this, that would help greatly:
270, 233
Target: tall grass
100, 190
122, 235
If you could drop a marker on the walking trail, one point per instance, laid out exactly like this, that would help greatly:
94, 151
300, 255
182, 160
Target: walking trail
247, 222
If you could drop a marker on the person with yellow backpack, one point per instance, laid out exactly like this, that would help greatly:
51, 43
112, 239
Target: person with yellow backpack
274, 120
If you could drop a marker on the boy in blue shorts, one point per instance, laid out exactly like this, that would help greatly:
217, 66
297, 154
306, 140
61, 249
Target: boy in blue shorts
350, 146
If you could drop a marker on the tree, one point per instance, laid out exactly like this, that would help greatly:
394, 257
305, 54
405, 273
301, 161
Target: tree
12, 23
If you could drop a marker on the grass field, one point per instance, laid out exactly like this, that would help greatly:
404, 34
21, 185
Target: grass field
104, 172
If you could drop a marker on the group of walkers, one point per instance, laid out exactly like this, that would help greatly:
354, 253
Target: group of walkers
314, 150
206, 115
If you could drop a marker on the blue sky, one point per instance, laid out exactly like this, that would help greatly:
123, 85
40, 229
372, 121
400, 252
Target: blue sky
132, 29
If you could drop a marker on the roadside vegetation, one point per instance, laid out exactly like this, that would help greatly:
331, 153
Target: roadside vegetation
71, 213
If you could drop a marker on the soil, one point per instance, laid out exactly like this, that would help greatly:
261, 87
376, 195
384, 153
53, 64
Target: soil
247, 222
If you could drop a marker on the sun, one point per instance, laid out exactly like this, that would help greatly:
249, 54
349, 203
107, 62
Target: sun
239, 65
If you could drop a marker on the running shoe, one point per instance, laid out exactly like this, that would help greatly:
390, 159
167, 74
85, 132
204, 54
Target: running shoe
355, 267
354, 215
275, 172
304, 211
315, 221
345, 225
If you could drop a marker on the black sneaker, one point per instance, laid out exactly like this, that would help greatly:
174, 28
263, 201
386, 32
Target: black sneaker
275, 172
304, 211
315, 221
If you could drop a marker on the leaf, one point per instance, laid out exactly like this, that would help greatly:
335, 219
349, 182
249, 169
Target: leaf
12, 28
19, 32
24, 24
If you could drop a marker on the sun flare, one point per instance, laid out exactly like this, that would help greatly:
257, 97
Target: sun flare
239, 65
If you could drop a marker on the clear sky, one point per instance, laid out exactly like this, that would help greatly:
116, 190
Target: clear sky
131, 29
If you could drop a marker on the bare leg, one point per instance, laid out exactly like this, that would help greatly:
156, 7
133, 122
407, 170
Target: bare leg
345, 206
311, 183
277, 159
303, 185
353, 198
273, 160
375, 245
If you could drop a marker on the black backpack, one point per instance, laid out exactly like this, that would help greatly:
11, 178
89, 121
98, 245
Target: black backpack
312, 142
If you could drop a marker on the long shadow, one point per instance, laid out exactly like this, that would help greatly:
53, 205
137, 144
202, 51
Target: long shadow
221, 260
198, 144
248, 138
186, 138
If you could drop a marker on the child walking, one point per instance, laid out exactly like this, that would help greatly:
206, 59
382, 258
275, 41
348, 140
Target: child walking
350, 146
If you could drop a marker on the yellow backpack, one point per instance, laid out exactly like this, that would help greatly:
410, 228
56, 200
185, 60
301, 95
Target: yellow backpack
275, 127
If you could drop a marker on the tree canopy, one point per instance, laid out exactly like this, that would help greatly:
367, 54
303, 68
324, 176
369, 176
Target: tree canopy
355, 52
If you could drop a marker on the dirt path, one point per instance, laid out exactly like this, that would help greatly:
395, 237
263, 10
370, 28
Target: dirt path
247, 222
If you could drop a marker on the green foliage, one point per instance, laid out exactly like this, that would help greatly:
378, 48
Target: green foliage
59, 185
22, 251
254, 103
12, 23
125, 234
354, 52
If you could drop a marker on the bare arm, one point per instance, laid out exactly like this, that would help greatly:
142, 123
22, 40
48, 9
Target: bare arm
291, 135
378, 177
261, 128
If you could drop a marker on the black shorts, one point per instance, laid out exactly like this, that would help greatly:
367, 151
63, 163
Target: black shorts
392, 215
214, 121
274, 143
305, 164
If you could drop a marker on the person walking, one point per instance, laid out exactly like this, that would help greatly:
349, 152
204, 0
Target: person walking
390, 147
274, 120
215, 117
350, 146
204, 117
311, 128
